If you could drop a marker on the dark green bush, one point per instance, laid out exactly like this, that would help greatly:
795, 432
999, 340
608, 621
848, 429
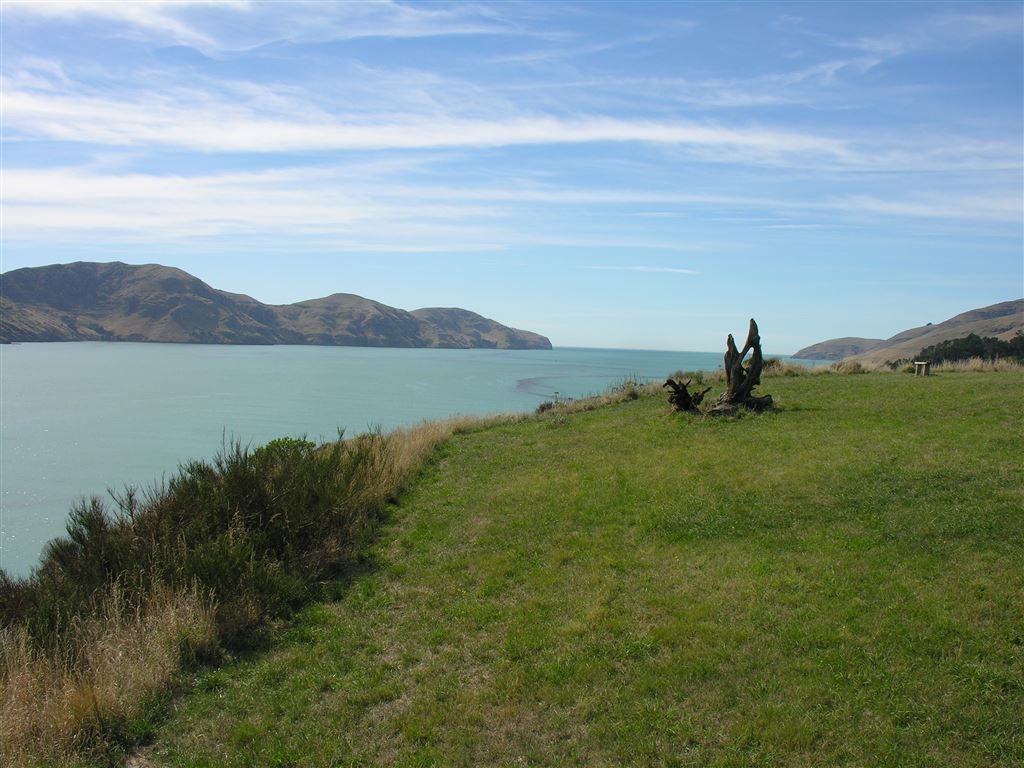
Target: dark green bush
971, 346
254, 529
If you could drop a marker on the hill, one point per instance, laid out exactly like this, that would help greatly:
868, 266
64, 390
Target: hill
1001, 320
837, 349
88, 301
453, 327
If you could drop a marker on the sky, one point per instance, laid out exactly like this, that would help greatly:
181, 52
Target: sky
609, 174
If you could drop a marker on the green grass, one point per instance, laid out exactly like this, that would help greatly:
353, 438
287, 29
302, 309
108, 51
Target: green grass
840, 583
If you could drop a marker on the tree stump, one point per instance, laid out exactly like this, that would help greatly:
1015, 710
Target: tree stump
681, 399
740, 381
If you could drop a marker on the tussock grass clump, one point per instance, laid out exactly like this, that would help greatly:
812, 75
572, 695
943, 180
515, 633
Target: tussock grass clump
55, 706
773, 366
630, 388
849, 367
977, 365
181, 574
701, 377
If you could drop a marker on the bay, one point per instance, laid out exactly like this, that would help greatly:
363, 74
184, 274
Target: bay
77, 419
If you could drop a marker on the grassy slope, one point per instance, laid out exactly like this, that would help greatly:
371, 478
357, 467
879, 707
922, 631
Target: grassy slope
837, 583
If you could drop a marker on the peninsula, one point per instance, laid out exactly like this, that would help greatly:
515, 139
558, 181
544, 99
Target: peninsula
88, 301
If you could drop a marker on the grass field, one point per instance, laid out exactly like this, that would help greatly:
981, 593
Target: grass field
838, 583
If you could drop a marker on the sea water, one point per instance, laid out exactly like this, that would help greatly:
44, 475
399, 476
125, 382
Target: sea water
84, 418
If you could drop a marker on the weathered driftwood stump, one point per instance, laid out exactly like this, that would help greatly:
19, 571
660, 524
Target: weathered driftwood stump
740, 381
681, 398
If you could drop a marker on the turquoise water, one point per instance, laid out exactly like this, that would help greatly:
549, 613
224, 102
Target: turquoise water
79, 418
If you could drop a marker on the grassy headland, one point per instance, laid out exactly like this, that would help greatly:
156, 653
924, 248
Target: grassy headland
838, 582
183, 575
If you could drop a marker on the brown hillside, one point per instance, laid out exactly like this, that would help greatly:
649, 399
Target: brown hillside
120, 302
1001, 320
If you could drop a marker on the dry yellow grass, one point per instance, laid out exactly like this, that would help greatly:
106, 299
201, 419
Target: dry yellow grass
49, 707
977, 365
971, 365
405, 450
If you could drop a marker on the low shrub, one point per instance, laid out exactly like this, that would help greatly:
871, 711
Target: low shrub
773, 366
252, 528
629, 387
848, 367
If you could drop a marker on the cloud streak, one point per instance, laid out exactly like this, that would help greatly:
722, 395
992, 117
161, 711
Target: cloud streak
203, 124
223, 26
372, 207
671, 270
422, 111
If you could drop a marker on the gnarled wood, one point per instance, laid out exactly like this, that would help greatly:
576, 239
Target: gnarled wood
681, 398
740, 380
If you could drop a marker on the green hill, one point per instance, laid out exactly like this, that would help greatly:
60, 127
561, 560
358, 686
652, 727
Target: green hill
836, 583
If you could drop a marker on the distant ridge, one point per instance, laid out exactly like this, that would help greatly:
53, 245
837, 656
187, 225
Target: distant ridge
837, 349
89, 301
1001, 320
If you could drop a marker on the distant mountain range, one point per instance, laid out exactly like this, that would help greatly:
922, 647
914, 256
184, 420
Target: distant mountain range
1001, 320
87, 301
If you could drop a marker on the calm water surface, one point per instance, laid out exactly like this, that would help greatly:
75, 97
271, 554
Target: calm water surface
79, 418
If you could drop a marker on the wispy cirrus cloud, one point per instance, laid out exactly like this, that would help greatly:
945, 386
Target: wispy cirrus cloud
412, 110
671, 270
559, 53
221, 26
376, 206
204, 122
938, 31
155, 19
812, 84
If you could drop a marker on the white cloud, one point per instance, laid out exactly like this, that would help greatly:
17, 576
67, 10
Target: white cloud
40, 205
201, 122
153, 18
236, 116
372, 207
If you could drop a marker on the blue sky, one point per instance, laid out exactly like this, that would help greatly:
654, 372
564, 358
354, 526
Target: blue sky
643, 175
